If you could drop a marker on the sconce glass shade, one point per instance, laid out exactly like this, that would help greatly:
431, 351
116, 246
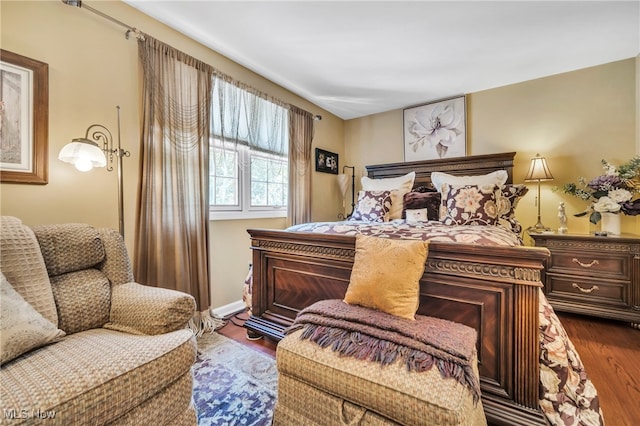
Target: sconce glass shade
84, 154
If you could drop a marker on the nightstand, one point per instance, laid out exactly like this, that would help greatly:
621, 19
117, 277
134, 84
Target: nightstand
593, 275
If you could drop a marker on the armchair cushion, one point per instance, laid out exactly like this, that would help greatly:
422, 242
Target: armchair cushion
98, 376
116, 265
140, 309
69, 247
83, 299
74, 254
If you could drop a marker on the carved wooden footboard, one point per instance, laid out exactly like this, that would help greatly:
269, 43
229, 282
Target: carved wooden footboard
492, 289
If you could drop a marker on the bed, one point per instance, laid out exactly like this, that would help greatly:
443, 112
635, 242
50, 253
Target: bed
495, 289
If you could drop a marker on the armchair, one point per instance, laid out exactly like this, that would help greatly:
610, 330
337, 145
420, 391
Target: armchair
122, 353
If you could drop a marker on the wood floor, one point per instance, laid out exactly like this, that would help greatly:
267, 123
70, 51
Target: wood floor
610, 351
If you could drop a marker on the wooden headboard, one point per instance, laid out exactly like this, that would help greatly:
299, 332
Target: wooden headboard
462, 166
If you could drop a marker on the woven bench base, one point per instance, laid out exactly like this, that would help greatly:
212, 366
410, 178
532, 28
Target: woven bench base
317, 387
304, 405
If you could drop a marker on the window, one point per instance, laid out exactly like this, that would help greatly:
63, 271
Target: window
237, 192
223, 181
249, 169
269, 181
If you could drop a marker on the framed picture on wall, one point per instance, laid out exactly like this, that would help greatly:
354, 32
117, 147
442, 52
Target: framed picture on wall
24, 115
326, 162
435, 130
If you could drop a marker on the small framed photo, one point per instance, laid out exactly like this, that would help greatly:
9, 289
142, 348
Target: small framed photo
326, 162
436, 130
24, 111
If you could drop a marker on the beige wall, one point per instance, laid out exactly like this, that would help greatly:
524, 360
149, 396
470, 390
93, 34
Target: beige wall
574, 119
93, 68
638, 103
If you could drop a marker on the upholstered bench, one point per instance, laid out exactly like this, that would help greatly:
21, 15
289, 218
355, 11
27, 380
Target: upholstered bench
370, 360
320, 387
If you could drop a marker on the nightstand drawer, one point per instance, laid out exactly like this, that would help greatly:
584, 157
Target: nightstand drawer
586, 290
600, 264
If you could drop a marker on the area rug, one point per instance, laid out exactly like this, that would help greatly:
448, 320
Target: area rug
233, 384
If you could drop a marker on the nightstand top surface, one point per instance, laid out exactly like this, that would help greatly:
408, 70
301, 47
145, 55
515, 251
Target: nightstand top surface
632, 238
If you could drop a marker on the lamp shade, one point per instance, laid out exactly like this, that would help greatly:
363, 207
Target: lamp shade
343, 183
83, 153
538, 170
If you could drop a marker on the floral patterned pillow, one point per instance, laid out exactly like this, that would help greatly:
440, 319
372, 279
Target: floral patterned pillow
398, 186
372, 206
507, 202
470, 204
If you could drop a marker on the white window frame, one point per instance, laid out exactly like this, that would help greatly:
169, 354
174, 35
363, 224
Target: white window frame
244, 210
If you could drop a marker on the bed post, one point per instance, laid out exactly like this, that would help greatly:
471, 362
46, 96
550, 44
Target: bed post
526, 348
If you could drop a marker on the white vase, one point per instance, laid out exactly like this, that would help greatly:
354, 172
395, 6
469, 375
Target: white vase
610, 223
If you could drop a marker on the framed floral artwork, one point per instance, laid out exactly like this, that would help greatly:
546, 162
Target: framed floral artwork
24, 119
436, 130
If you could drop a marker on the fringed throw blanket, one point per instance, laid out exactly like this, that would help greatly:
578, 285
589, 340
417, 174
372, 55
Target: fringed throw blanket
367, 334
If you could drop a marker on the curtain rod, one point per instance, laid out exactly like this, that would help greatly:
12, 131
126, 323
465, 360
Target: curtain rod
130, 29
140, 36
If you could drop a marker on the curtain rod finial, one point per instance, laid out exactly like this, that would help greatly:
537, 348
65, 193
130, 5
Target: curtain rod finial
317, 117
139, 36
77, 3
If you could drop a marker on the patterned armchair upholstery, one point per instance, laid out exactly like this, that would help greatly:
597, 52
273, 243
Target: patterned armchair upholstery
121, 352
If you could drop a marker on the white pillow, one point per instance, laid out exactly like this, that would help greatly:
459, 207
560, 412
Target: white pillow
22, 327
417, 215
499, 177
397, 185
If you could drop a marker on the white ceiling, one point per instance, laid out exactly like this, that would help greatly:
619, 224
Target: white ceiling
356, 58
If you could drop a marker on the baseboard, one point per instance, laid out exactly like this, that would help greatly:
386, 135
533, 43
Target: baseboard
228, 309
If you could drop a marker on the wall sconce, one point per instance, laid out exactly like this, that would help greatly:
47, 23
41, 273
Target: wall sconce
85, 154
343, 182
538, 171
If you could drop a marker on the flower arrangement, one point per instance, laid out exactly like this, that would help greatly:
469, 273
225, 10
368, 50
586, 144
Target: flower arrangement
611, 192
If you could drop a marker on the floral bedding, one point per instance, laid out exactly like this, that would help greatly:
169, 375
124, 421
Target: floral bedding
431, 230
567, 395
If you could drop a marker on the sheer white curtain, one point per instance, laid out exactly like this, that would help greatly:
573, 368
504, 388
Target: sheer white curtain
242, 117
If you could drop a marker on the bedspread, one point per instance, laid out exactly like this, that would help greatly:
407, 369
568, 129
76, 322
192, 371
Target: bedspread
432, 231
567, 395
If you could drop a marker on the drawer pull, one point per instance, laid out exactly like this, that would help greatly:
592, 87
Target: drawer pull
585, 265
584, 290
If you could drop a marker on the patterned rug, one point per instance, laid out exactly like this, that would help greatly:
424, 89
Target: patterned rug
233, 384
